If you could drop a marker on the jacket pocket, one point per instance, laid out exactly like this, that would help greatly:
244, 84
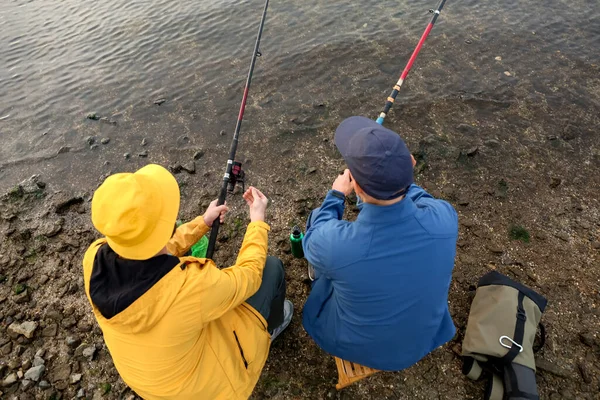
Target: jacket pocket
241, 350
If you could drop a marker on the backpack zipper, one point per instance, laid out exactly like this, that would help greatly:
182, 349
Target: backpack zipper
241, 350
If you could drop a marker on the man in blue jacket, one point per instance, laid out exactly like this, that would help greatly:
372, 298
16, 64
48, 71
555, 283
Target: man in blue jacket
380, 293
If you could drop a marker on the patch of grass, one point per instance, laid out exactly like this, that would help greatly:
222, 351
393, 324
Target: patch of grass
238, 224
105, 387
20, 288
16, 193
518, 232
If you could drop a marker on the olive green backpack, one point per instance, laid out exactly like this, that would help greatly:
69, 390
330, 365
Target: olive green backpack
499, 340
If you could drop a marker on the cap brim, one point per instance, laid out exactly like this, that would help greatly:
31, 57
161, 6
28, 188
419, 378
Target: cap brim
349, 128
165, 186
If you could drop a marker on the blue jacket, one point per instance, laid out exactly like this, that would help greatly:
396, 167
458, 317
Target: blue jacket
381, 293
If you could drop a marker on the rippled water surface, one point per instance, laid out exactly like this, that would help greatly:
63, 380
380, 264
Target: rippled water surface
60, 59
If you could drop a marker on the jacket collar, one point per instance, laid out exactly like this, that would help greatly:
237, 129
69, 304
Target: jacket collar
373, 214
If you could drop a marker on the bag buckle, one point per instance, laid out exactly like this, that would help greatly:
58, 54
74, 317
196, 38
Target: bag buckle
509, 346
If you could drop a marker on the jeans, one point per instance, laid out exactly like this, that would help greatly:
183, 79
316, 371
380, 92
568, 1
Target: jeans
269, 298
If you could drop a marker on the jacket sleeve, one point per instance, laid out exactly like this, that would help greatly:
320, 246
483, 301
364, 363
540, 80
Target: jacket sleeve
317, 242
186, 236
228, 288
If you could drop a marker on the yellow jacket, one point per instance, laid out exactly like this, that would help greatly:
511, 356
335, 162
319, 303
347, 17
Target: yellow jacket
190, 335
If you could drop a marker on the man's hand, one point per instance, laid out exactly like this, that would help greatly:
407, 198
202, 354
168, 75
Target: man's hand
343, 183
213, 211
257, 203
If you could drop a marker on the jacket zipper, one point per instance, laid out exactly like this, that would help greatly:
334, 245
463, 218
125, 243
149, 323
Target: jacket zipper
241, 350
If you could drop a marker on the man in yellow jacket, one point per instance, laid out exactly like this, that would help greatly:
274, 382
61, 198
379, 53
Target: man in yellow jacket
178, 327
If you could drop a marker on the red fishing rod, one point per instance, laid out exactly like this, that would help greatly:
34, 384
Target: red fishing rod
233, 171
390, 100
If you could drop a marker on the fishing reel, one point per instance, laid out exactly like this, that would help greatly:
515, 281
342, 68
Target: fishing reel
236, 176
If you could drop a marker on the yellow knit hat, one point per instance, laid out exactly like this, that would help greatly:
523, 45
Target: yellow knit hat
137, 212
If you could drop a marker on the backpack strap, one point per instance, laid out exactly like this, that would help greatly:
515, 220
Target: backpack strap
519, 334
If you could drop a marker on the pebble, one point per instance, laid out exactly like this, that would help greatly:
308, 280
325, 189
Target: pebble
44, 385
26, 328
20, 374
498, 58
495, 249
22, 297
554, 369
311, 170
94, 146
585, 372
144, 142
507, 73
105, 140
92, 116
127, 155
471, 151
199, 154
9, 380
190, 167
35, 373
160, 101
75, 378
50, 331
80, 393
596, 245
143, 154
27, 384
89, 352
555, 182
64, 149
468, 41
37, 361
90, 140
563, 236
222, 133
73, 341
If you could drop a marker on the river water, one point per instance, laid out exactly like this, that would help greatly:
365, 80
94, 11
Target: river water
62, 59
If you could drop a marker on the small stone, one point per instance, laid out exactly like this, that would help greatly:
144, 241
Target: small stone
43, 279
495, 249
61, 373
549, 367
20, 374
471, 152
175, 168
89, 352
507, 73
92, 116
64, 149
69, 322
13, 364
35, 373
61, 385
75, 378
199, 154
563, 236
144, 142
555, 182
466, 128
159, 101
596, 245
37, 361
10, 379
311, 170
105, 140
492, 143
22, 297
73, 341
190, 167
127, 155
222, 133
80, 393
585, 372
26, 365
26, 328
50, 331
463, 201
44, 385
468, 41
143, 154
498, 58
90, 140
27, 384
6, 348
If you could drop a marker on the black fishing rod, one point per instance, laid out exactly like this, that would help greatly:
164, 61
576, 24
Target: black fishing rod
234, 172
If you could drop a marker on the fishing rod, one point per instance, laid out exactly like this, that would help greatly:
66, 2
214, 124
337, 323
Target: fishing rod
390, 100
234, 172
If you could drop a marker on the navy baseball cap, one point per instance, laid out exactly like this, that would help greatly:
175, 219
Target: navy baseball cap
377, 157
